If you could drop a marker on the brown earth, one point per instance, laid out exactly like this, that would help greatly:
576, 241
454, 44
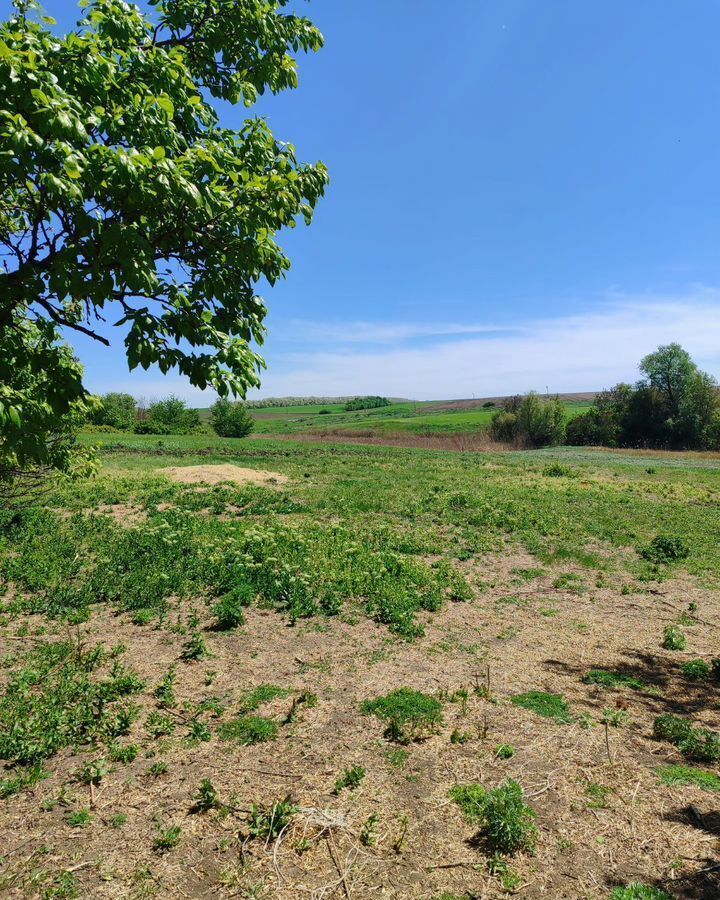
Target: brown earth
526, 629
216, 474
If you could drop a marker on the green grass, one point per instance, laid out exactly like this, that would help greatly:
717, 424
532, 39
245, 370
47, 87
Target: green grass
248, 730
507, 822
263, 693
637, 891
550, 706
410, 714
688, 775
615, 680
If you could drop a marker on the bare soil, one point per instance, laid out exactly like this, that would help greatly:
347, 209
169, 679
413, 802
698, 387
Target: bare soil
521, 632
216, 474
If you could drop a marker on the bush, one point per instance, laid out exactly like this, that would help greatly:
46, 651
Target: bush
665, 548
531, 422
169, 416
115, 410
673, 638
698, 744
230, 420
504, 817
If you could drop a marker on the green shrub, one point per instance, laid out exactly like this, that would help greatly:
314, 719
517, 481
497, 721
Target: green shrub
673, 638
411, 715
228, 611
636, 891
231, 420
114, 410
683, 775
248, 730
551, 706
169, 416
698, 744
504, 751
696, 669
665, 548
502, 814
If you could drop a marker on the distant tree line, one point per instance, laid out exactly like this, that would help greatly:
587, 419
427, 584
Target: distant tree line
366, 403
121, 412
270, 402
674, 406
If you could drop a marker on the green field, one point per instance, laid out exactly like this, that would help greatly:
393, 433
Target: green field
417, 418
180, 658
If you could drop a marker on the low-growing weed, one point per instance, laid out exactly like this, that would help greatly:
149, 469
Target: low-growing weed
673, 638
206, 797
167, 839
696, 669
665, 549
411, 715
684, 775
505, 819
615, 680
504, 751
637, 891
79, 819
263, 693
551, 706
350, 778
268, 821
698, 744
164, 693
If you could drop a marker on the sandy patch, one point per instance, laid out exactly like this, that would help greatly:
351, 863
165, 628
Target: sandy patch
220, 473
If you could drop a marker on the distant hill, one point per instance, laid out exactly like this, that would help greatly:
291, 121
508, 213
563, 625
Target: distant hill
479, 402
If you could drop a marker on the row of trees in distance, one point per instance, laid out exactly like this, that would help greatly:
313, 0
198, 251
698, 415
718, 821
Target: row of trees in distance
674, 406
119, 411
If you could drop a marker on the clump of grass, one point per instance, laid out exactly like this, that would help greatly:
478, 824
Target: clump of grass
682, 775
551, 706
118, 820
614, 680
504, 818
248, 730
674, 638
696, 669
665, 549
459, 736
637, 891
268, 821
555, 470
125, 754
23, 778
411, 715
698, 744
504, 751
350, 778
263, 693
598, 794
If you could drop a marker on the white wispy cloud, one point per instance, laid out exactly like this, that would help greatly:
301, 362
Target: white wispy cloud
586, 351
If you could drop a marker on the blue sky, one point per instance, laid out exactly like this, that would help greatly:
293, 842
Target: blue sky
524, 195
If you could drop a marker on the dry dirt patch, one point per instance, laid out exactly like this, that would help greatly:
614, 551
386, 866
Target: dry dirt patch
220, 473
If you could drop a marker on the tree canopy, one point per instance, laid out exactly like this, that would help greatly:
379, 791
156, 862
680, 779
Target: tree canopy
123, 197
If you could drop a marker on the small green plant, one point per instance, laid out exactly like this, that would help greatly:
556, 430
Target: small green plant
698, 744
206, 797
696, 669
229, 610
555, 470
598, 795
665, 549
248, 730
397, 757
350, 778
125, 755
368, 831
63, 886
167, 839
93, 771
159, 768
504, 751
80, 818
159, 725
637, 891
498, 866
674, 776
673, 638
269, 821
616, 718
411, 715
198, 732
164, 693
118, 820
505, 819
195, 647
459, 736
551, 706
23, 778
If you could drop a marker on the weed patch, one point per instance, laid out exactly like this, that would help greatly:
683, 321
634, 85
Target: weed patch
249, 730
551, 706
411, 715
683, 775
505, 819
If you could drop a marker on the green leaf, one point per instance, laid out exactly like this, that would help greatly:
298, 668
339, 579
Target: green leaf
159, 153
